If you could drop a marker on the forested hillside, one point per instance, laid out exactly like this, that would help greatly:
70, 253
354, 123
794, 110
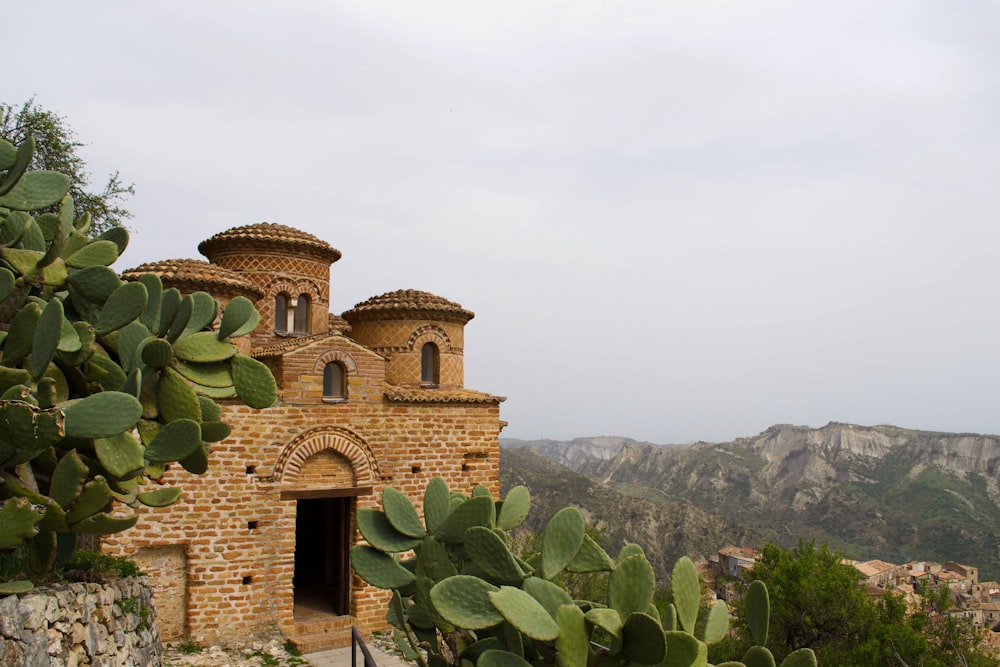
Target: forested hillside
873, 492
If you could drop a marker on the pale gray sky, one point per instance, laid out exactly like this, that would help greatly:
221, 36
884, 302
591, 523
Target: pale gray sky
674, 220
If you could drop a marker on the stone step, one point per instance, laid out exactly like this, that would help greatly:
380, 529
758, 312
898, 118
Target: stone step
311, 625
322, 640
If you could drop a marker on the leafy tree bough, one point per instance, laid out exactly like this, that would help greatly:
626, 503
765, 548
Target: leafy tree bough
103, 383
464, 598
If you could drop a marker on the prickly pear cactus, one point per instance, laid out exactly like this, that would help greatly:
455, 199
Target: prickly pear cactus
463, 596
102, 382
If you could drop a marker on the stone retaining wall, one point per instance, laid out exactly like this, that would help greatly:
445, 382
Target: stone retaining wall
67, 625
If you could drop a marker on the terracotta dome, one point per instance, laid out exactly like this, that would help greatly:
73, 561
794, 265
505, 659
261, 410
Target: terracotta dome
408, 304
197, 274
338, 324
268, 234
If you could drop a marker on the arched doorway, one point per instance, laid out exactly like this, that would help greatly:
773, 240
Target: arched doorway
324, 471
322, 579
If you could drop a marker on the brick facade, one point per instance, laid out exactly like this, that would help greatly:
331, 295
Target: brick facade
235, 562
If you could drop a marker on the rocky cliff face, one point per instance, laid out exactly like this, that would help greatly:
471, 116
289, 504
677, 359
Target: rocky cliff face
877, 491
666, 530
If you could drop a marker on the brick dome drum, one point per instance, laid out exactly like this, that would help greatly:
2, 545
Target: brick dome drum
196, 274
408, 303
268, 234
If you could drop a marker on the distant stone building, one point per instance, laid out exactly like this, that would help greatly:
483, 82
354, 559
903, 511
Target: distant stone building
367, 399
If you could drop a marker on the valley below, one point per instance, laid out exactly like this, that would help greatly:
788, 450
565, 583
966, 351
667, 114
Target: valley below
867, 491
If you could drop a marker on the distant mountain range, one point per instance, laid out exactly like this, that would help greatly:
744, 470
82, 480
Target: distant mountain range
872, 492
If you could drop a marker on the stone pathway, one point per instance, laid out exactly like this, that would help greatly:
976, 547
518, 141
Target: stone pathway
270, 653
341, 657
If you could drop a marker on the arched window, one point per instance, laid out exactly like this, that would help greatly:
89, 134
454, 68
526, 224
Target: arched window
430, 366
281, 313
334, 381
301, 321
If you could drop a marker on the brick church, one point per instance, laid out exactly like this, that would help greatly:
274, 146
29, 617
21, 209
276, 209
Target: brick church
373, 397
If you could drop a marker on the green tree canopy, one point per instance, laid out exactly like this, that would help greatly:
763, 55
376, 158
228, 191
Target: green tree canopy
817, 602
56, 149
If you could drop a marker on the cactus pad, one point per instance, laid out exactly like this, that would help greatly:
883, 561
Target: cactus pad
15, 587
175, 441
36, 189
68, 478
515, 508
472, 512
375, 527
590, 558
95, 283
525, 613
96, 253
606, 619
683, 650
495, 658
157, 353
120, 454
561, 540
176, 398
93, 498
20, 335
18, 521
717, 624
253, 380
687, 592
548, 594
105, 524
46, 338
437, 503
631, 585
801, 658
492, 556
203, 347
102, 415
758, 656
464, 601
758, 605
401, 513
238, 318
123, 306
643, 639
160, 497
630, 549
203, 310
379, 569
29, 428
573, 642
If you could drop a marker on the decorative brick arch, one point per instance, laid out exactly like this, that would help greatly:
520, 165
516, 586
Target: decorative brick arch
313, 441
282, 285
429, 333
278, 287
341, 357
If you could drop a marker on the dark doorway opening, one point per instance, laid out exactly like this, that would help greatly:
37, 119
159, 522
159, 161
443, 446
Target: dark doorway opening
322, 578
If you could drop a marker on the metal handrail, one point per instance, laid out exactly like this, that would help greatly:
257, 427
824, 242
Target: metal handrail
358, 641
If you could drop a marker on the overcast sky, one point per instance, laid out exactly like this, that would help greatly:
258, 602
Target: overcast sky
674, 220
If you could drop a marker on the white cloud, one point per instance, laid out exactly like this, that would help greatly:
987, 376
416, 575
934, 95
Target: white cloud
675, 220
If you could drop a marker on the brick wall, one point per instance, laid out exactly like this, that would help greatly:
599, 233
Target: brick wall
238, 533
225, 553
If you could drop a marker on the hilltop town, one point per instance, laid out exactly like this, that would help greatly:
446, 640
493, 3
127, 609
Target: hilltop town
968, 597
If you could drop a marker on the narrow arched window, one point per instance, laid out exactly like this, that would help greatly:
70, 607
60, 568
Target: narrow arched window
301, 322
281, 313
429, 364
334, 381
